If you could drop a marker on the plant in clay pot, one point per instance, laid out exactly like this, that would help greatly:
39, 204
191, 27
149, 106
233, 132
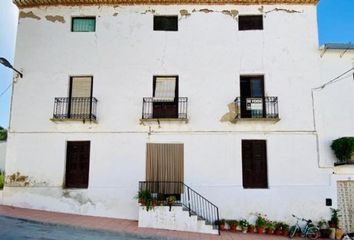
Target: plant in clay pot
232, 224
261, 223
171, 201
334, 222
244, 225
278, 228
270, 226
221, 224
286, 229
251, 228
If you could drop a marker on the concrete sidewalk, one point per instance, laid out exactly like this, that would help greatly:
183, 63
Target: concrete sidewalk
120, 225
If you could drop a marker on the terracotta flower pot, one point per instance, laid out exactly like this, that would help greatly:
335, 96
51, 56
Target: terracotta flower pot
260, 230
286, 233
222, 227
270, 231
233, 227
279, 232
251, 230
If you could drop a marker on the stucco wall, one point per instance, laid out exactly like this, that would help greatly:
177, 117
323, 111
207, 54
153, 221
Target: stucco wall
209, 54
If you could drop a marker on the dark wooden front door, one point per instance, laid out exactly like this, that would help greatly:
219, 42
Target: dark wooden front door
254, 164
77, 164
252, 91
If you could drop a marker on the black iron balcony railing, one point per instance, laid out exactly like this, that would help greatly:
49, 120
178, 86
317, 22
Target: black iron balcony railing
76, 108
190, 200
156, 109
262, 107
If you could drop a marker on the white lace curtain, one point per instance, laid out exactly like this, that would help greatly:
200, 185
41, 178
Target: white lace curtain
346, 205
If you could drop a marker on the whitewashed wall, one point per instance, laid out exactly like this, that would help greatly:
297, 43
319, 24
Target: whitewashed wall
209, 54
2, 155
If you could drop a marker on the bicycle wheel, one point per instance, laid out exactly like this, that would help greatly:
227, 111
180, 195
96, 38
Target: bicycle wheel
313, 233
292, 231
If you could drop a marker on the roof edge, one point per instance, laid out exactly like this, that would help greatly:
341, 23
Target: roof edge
39, 3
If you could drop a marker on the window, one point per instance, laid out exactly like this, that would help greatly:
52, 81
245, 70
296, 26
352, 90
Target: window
77, 164
165, 97
83, 24
80, 97
165, 23
254, 164
252, 96
253, 22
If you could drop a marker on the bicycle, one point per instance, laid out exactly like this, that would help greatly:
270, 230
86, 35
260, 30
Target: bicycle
308, 231
348, 236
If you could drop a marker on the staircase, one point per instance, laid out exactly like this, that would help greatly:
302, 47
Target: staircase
192, 212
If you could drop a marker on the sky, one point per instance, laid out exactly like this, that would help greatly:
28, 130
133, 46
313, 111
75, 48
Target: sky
335, 23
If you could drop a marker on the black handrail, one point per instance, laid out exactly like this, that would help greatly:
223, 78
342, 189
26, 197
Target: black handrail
195, 203
180, 105
266, 107
81, 108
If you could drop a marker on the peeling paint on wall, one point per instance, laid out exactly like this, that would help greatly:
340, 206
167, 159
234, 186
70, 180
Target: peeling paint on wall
232, 13
205, 10
115, 14
184, 13
149, 11
284, 10
17, 180
231, 115
78, 197
55, 18
30, 14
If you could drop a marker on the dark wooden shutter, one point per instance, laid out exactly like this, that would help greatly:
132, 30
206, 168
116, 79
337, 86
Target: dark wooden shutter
254, 164
77, 164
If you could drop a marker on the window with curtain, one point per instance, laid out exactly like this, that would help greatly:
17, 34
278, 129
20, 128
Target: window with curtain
83, 24
165, 89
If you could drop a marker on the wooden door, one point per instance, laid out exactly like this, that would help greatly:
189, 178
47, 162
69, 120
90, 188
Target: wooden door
77, 164
254, 164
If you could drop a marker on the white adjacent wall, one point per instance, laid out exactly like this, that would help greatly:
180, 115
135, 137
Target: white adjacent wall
209, 54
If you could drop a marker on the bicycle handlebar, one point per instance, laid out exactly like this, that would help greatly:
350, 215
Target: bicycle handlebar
301, 219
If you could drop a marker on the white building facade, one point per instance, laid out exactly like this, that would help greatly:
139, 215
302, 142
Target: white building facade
229, 86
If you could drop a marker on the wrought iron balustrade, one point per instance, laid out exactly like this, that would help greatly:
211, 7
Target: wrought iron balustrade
190, 200
262, 107
76, 108
156, 109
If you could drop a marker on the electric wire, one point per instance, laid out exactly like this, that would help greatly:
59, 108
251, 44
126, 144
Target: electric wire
7, 88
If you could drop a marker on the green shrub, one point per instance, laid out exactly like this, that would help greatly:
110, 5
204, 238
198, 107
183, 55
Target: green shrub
3, 134
343, 148
2, 178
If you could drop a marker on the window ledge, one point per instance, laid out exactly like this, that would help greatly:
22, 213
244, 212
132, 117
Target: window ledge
58, 120
268, 120
345, 168
142, 120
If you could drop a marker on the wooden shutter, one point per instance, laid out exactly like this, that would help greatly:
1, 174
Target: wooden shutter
80, 97
254, 164
77, 164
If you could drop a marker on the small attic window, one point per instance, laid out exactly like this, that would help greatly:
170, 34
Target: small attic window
250, 22
165, 23
83, 24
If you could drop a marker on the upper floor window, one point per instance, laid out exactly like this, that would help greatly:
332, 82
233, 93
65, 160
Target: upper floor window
165, 23
83, 24
250, 22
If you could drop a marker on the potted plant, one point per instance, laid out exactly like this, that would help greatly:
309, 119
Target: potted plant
221, 224
278, 228
344, 150
251, 228
324, 230
145, 199
232, 224
244, 225
170, 201
260, 223
270, 226
334, 222
285, 229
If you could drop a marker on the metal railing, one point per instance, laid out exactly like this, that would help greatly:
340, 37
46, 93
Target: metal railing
79, 108
263, 107
190, 200
180, 108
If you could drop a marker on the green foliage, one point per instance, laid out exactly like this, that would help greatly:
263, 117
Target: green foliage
244, 223
145, 199
335, 217
2, 179
3, 134
261, 221
220, 222
232, 222
343, 148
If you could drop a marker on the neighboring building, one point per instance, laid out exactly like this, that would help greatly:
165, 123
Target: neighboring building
2, 155
219, 96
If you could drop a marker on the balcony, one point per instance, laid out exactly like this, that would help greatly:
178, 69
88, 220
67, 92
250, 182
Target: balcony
262, 109
155, 109
75, 108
